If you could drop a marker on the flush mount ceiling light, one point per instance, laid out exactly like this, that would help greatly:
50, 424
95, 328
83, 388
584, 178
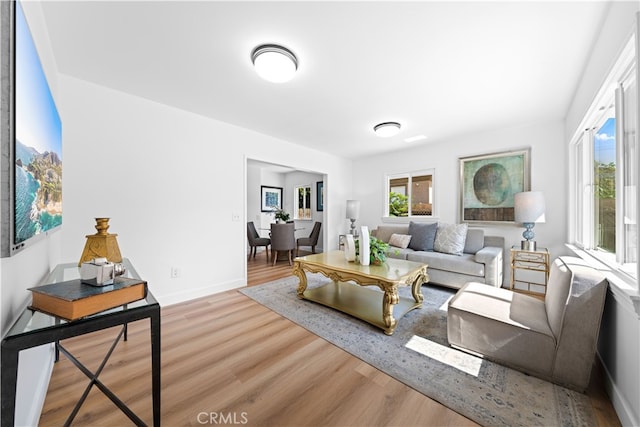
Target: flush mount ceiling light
387, 129
274, 63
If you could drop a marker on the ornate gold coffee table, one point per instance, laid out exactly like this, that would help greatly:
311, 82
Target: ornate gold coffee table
347, 292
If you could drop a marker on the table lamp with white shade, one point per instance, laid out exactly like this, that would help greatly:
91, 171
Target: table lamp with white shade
529, 209
353, 213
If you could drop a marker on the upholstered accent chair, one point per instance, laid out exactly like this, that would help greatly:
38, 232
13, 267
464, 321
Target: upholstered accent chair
255, 240
312, 240
283, 239
554, 339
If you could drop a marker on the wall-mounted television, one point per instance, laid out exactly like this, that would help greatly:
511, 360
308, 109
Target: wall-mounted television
31, 139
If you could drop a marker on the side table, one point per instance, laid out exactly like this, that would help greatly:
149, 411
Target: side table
34, 328
529, 270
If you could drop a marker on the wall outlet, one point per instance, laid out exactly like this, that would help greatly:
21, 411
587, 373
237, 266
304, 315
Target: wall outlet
175, 272
235, 217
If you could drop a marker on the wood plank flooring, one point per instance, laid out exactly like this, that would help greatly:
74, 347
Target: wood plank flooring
227, 360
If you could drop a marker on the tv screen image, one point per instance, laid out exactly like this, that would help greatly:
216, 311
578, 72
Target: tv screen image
38, 142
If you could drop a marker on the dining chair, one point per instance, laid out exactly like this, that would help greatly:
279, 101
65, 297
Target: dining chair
312, 240
282, 239
255, 240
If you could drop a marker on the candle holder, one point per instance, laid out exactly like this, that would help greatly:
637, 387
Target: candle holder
102, 244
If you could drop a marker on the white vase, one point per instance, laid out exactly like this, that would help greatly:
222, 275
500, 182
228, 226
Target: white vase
349, 248
364, 245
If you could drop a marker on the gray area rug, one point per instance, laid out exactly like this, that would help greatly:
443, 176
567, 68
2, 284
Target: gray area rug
418, 355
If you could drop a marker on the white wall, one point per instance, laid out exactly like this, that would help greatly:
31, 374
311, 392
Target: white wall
170, 181
619, 344
548, 160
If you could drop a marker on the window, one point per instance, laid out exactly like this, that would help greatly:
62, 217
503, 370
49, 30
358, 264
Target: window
605, 162
410, 194
302, 196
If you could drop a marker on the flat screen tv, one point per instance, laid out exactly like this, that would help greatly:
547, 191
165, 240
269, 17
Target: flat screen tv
31, 167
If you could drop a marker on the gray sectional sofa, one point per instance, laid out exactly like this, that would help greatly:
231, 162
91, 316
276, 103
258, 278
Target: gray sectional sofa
481, 259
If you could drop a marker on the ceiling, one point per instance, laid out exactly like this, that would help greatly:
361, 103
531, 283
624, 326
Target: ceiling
441, 69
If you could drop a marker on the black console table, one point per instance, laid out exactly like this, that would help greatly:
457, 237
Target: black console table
34, 328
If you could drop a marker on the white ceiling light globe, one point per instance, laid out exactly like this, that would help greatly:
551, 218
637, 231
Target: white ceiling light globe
274, 63
387, 129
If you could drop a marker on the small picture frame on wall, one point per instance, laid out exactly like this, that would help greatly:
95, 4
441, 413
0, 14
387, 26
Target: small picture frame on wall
320, 196
488, 184
270, 198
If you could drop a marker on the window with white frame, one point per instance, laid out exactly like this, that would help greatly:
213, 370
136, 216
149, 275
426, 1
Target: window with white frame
302, 197
410, 194
605, 164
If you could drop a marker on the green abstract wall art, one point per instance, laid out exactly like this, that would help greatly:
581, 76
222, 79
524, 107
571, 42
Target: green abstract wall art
488, 183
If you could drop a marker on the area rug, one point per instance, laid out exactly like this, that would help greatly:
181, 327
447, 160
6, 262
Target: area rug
418, 355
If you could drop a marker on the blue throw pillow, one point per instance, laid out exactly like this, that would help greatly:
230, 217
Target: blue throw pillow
422, 236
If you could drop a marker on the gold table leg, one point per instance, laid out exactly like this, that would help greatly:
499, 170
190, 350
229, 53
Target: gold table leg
302, 276
416, 286
390, 299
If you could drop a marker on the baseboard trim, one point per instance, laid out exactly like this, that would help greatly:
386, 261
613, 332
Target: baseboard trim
178, 297
622, 406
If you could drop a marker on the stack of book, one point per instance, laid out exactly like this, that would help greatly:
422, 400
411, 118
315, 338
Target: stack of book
73, 299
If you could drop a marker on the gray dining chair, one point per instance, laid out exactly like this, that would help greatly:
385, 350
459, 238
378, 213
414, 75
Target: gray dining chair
283, 239
312, 240
255, 240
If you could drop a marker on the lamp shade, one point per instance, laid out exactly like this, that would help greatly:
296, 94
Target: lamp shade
529, 207
353, 209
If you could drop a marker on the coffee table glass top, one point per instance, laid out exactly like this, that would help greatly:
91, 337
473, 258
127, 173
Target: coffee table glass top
391, 270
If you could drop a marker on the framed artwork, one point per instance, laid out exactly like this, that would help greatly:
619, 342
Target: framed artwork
489, 182
30, 141
270, 198
320, 196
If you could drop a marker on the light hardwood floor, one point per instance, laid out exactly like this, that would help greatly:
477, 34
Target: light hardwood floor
229, 360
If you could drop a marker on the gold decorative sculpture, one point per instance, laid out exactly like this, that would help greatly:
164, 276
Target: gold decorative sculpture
101, 244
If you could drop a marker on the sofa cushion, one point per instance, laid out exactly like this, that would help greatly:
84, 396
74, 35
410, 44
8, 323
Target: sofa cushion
422, 236
384, 232
398, 253
450, 238
464, 264
399, 240
474, 241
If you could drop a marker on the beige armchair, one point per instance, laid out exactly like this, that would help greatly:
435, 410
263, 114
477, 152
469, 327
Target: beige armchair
554, 339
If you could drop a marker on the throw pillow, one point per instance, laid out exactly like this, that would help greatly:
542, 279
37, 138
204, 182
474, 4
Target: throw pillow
450, 238
475, 240
399, 240
422, 236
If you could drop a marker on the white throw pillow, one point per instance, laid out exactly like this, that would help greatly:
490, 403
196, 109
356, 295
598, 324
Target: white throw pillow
399, 240
450, 238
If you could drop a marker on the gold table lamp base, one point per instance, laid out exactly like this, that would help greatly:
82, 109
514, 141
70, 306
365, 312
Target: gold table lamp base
101, 244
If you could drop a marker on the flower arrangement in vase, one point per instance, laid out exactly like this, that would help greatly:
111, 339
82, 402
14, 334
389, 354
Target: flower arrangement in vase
282, 216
